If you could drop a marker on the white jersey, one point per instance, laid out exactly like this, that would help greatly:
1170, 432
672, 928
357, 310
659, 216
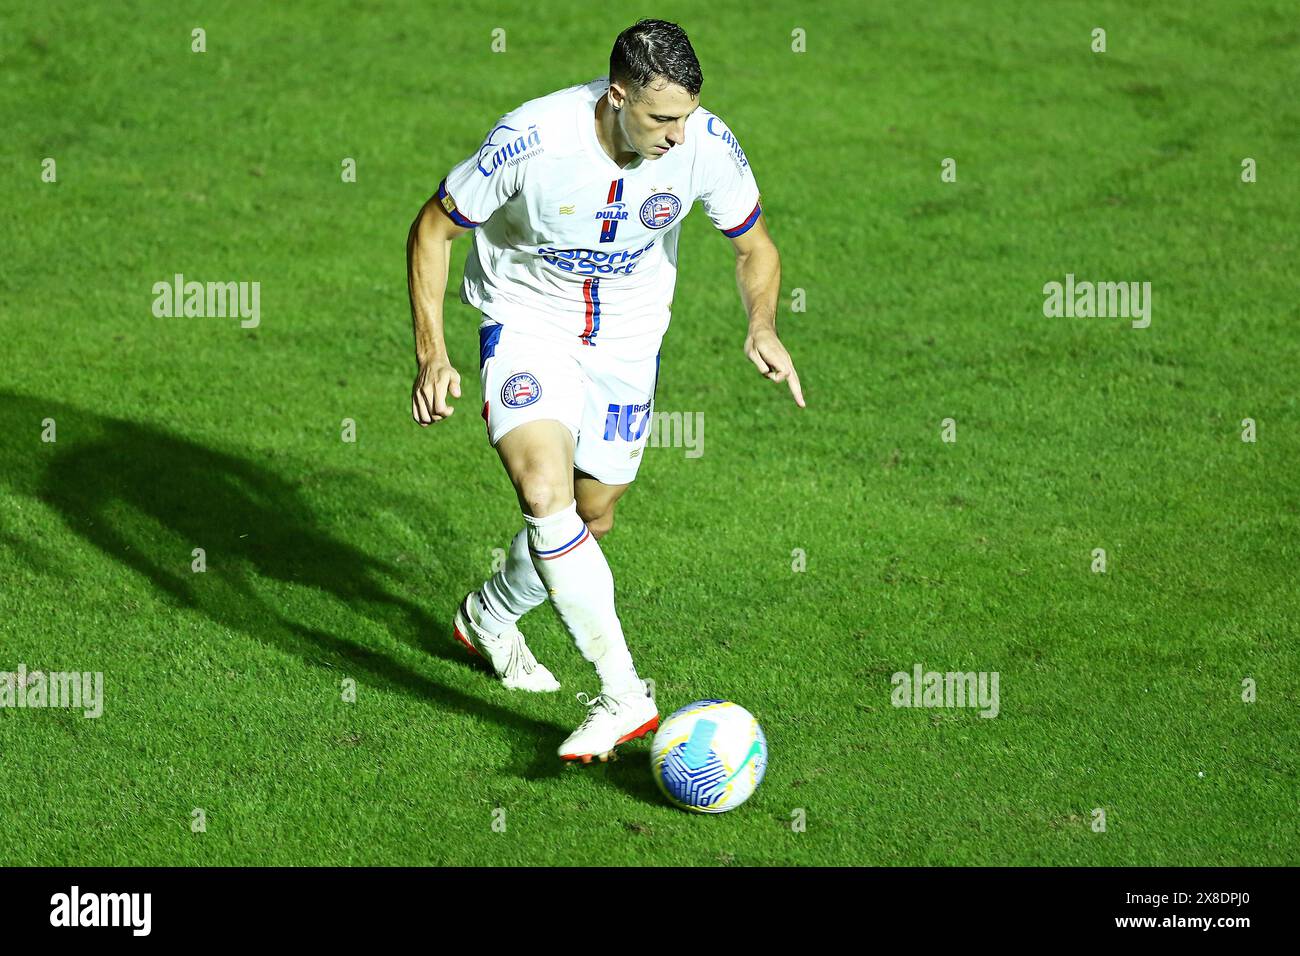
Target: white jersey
574, 248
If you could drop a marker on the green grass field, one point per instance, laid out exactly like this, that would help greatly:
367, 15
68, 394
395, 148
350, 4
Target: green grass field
328, 561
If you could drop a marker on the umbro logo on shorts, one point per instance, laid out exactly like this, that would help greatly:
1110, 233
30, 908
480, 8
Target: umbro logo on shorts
520, 389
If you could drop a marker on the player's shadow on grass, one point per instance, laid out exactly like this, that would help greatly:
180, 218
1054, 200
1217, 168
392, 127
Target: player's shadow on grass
631, 772
146, 498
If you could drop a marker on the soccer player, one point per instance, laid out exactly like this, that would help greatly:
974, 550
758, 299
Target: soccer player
576, 201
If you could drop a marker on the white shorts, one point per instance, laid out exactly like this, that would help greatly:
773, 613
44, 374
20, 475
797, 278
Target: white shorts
607, 402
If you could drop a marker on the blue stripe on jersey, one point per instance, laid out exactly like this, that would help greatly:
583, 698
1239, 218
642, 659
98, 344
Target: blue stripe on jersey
449, 207
744, 227
595, 308
609, 228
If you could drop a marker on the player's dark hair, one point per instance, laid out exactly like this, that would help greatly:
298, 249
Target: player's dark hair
650, 49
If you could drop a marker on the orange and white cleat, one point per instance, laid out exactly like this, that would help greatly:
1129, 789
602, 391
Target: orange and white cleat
506, 653
610, 721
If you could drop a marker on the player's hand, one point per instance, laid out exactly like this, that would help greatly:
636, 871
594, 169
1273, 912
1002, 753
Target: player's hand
769, 356
429, 394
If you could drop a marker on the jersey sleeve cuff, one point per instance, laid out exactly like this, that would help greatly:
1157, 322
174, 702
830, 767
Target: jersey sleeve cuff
745, 226
449, 207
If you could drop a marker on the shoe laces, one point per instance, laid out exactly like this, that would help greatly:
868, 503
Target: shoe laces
521, 658
595, 704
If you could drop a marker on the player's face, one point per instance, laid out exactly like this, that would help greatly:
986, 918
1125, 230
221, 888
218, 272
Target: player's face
656, 121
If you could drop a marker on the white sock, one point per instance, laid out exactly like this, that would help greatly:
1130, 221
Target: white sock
512, 591
569, 561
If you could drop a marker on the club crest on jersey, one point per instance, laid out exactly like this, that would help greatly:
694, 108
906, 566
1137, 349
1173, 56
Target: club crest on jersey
520, 389
660, 210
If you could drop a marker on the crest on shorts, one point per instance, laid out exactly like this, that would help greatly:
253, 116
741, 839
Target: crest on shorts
660, 210
520, 389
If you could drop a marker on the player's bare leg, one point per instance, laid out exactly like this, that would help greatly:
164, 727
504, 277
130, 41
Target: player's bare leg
596, 502
487, 619
538, 457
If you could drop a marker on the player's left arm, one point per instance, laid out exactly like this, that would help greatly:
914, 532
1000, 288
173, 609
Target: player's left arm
758, 276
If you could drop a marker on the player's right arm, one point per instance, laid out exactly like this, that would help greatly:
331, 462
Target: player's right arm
428, 258
477, 187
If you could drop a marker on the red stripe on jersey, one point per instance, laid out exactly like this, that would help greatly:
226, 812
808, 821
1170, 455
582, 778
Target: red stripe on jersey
586, 296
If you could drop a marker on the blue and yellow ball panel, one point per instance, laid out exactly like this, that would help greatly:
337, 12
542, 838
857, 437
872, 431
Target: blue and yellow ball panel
709, 756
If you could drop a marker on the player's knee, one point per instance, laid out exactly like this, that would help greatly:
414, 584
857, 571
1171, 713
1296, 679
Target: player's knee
542, 494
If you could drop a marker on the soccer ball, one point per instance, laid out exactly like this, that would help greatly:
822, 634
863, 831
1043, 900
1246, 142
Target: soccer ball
709, 756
